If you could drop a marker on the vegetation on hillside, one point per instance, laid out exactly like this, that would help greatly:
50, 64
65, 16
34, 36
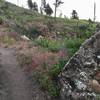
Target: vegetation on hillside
45, 56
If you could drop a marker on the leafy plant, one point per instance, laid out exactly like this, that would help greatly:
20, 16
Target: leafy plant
33, 32
54, 46
47, 84
42, 42
56, 69
73, 45
98, 96
51, 45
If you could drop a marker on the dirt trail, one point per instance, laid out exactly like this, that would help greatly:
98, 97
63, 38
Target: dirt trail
16, 83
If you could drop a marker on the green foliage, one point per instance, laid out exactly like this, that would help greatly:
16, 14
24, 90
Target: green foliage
98, 97
48, 85
73, 45
2, 4
30, 4
74, 14
51, 45
42, 42
44, 81
87, 30
53, 90
62, 62
48, 78
23, 16
73, 42
48, 10
33, 32
35, 7
54, 46
56, 69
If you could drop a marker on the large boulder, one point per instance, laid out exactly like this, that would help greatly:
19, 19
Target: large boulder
80, 78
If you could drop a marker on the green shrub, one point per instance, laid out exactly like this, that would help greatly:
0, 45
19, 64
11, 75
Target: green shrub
73, 45
98, 97
51, 45
54, 46
62, 62
44, 82
33, 32
47, 85
87, 34
53, 90
73, 42
48, 78
87, 30
42, 42
56, 69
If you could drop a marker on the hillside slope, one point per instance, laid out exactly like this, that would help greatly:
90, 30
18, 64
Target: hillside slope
24, 21
50, 45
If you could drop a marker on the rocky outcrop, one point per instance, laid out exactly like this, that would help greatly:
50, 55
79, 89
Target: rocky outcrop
80, 78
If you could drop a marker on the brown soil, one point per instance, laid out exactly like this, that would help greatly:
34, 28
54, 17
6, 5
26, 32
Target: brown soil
16, 84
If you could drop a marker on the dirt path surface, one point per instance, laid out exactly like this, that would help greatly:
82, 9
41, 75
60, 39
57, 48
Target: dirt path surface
16, 85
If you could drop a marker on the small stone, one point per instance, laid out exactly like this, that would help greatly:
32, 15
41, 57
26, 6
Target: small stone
98, 56
97, 77
80, 85
95, 85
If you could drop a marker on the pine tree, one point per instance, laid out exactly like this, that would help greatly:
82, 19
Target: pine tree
74, 15
30, 4
35, 7
48, 10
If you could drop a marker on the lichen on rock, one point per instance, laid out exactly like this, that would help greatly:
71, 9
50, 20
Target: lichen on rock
80, 78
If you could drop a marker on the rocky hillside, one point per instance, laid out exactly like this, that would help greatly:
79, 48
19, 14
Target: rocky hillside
24, 21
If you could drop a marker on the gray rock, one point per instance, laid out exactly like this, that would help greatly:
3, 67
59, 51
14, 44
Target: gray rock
81, 68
